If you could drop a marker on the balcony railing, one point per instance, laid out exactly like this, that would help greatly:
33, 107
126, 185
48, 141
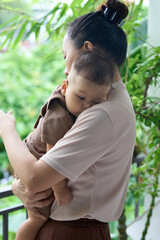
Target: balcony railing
6, 192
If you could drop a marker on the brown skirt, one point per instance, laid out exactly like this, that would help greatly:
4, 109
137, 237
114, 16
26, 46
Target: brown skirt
82, 229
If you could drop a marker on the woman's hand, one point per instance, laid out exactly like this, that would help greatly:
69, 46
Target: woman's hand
32, 200
7, 121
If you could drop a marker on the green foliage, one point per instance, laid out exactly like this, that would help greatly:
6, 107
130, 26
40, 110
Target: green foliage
27, 80
50, 24
141, 74
12, 236
146, 74
8, 202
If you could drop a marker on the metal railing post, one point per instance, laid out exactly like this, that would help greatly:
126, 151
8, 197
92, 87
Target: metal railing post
5, 226
6, 192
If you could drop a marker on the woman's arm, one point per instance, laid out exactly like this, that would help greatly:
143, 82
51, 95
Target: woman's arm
32, 200
28, 169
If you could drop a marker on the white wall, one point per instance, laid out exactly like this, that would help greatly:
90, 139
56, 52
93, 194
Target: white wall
154, 22
154, 33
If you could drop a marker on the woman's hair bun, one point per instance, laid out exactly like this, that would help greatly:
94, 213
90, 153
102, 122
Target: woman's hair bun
116, 6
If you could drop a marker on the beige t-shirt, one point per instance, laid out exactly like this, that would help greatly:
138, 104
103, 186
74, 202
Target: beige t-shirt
95, 155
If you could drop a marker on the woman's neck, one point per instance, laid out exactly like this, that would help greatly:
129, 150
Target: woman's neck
117, 75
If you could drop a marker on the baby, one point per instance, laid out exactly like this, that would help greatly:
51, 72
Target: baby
87, 84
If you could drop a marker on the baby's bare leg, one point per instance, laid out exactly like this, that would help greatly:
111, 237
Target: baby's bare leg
62, 193
30, 228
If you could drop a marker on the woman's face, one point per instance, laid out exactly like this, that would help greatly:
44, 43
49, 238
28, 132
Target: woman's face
69, 52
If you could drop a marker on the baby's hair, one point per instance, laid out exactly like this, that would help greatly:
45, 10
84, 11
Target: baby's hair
94, 68
102, 29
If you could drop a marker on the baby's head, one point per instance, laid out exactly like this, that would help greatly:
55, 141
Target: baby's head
88, 82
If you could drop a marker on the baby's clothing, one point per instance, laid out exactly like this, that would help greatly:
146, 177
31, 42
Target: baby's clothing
52, 124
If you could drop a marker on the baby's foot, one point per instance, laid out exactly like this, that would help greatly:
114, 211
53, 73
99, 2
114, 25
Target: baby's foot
63, 196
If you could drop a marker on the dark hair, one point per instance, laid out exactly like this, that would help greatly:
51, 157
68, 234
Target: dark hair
107, 37
94, 68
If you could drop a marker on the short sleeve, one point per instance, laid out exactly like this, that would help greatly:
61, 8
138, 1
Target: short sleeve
85, 143
56, 122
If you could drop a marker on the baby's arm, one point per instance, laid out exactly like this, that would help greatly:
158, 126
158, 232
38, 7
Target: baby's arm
62, 193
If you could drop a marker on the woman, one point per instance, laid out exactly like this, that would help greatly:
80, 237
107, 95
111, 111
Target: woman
96, 154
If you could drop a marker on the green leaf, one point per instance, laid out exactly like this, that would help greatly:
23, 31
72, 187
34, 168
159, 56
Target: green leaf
37, 31
60, 22
9, 36
9, 21
34, 25
147, 122
150, 171
52, 12
63, 11
151, 145
155, 121
156, 140
9, 8
75, 2
20, 34
153, 163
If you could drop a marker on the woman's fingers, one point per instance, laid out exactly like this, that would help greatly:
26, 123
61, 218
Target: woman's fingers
39, 200
29, 199
32, 200
43, 203
7, 121
40, 196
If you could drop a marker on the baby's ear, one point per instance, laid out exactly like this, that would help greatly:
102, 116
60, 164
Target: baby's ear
64, 87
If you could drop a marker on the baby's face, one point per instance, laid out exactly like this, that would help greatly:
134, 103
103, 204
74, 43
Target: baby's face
81, 93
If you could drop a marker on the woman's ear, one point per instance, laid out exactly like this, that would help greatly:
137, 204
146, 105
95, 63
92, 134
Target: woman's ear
88, 46
64, 87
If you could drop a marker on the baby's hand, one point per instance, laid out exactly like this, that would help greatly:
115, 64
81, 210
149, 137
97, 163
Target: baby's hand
63, 196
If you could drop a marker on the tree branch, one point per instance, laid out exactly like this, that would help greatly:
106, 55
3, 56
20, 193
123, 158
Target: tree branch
149, 80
